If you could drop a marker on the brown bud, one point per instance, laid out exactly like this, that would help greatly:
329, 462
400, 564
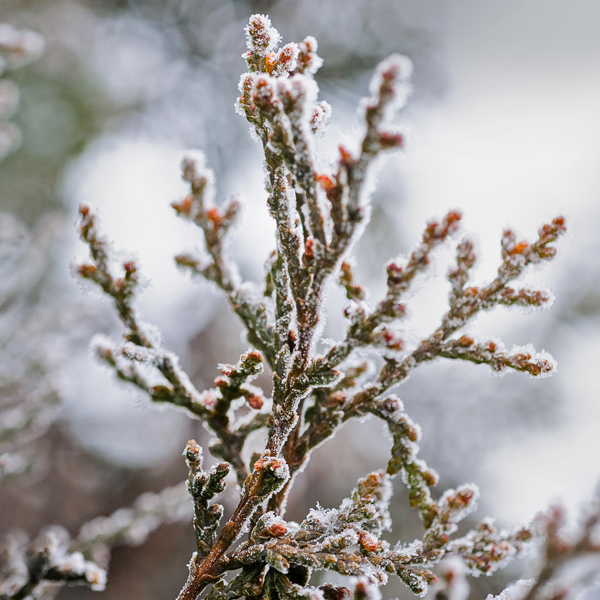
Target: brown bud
254, 401
193, 452
255, 355
391, 405
391, 341
388, 140
451, 220
466, 495
332, 592
430, 478
129, 267
309, 247
412, 433
394, 273
336, 398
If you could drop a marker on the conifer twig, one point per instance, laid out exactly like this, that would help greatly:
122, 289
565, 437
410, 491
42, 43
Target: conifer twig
318, 216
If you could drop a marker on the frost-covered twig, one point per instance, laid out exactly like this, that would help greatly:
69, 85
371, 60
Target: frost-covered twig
215, 222
141, 347
318, 215
563, 552
28, 386
30, 569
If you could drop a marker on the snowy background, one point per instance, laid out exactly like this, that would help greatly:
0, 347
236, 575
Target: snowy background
504, 124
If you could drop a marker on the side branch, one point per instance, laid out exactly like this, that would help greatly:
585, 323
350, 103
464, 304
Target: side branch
214, 222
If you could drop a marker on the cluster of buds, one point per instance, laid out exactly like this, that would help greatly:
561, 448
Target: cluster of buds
234, 381
203, 487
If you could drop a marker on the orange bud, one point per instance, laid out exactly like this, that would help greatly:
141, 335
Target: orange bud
86, 270
368, 542
277, 529
214, 214
464, 341
326, 182
345, 155
519, 248
270, 61
185, 206
452, 219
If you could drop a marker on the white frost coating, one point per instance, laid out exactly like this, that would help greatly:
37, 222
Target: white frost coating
239, 107
139, 353
536, 356
516, 591
317, 62
52, 548
397, 70
101, 343
401, 66
13, 419
394, 410
284, 67
458, 514
198, 159
303, 90
320, 118
264, 42
323, 519
546, 289
349, 537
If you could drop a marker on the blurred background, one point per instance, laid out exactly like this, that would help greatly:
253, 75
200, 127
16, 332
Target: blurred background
503, 123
